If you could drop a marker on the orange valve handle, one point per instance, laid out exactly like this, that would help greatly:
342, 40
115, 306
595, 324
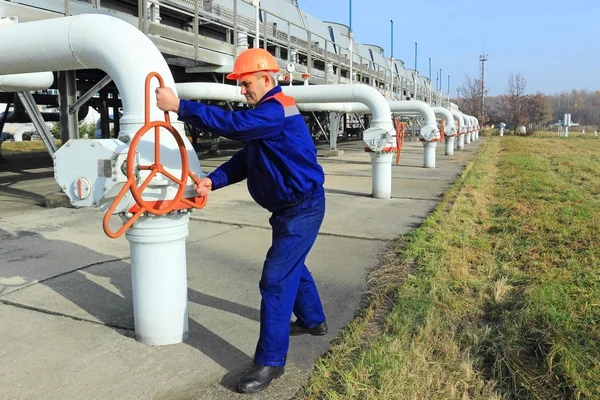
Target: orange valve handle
154, 208
400, 130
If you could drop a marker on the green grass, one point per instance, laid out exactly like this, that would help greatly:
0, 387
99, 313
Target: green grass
27, 146
495, 296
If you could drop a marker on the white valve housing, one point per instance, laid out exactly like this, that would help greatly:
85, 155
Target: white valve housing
378, 139
92, 173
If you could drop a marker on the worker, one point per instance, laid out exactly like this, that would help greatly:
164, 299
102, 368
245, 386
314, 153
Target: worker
279, 162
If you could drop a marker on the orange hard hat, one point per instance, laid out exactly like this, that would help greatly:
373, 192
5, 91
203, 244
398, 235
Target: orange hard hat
253, 60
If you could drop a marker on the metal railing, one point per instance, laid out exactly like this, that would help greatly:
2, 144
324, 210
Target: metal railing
304, 51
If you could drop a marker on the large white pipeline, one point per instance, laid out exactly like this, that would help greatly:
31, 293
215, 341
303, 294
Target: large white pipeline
127, 55
376, 104
26, 82
429, 130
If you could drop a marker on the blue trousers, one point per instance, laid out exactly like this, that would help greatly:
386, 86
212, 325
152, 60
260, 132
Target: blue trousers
286, 285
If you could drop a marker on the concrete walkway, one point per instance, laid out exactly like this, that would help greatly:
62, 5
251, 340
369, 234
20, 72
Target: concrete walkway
66, 320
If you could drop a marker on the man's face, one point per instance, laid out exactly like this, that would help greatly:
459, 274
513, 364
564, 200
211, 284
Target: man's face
254, 86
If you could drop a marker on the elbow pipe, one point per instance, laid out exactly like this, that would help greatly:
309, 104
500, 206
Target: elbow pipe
340, 98
26, 82
97, 41
429, 130
378, 106
450, 127
306, 97
461, 119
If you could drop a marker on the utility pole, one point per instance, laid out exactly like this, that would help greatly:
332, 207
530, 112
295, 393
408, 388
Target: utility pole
483, 58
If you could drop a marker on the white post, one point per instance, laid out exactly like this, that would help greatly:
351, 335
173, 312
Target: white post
350, 35
382, 175
333, 130
449, 145
429, 154
256, 5
159, 278
461, 141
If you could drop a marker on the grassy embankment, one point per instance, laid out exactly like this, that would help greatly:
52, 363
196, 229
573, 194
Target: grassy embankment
495, 296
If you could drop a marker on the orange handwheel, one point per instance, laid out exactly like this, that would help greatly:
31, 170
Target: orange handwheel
153, 207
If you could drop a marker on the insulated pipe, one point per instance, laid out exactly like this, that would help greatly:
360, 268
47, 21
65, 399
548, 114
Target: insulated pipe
26, 82
336, 93
128, 56
463, 128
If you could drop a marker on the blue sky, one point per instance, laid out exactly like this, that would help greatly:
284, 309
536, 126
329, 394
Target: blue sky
554, 45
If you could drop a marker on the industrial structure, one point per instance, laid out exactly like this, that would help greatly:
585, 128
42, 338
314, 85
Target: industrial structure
113, 54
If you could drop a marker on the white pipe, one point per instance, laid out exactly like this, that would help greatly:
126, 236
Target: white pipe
449, 129
127, 55
158, 282
429, 154
463, 129
336, 93
380, 110
209, 91
26, 82
256, 5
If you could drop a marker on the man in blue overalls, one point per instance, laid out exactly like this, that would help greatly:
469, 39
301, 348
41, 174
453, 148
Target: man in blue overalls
279, 161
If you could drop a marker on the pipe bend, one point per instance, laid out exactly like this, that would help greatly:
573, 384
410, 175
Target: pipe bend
461, 119
429, 131
450, 126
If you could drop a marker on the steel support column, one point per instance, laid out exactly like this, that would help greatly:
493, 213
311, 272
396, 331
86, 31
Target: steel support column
67, 87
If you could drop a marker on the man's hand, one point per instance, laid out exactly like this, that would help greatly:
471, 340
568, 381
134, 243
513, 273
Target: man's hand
166, 100
203, 187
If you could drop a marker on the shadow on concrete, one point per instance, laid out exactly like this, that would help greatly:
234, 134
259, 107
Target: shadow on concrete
347, 192
101, 292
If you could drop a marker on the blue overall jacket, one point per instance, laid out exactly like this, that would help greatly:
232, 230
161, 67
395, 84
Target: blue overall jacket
279, 158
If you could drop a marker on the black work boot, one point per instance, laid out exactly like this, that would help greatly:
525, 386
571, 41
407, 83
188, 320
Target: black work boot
258, 378
296, 328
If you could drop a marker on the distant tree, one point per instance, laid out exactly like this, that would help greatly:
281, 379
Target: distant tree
513, 104
470, 97
538, 109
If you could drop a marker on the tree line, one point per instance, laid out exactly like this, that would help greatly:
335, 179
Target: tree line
535, 111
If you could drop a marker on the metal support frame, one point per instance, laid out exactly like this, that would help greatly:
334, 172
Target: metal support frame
67, 87
104, 115
89, 94
4, 117
116, 116
38, 121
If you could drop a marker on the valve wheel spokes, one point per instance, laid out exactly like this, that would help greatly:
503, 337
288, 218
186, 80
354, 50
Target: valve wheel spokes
154, 208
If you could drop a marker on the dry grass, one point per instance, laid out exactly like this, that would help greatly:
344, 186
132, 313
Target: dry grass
495, 296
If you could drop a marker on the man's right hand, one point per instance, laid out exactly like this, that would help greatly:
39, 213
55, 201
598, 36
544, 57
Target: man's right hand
203, 187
